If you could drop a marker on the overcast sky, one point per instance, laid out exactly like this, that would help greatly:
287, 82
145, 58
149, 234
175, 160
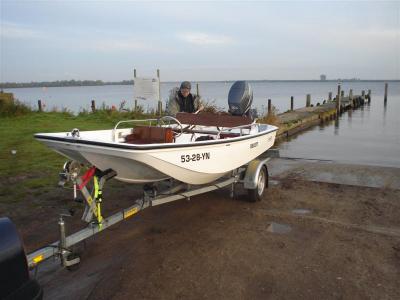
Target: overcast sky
106, 40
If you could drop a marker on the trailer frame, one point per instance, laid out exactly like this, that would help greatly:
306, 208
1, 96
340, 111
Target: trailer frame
170, 190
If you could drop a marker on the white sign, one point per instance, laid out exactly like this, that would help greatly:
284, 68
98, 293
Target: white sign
146, 88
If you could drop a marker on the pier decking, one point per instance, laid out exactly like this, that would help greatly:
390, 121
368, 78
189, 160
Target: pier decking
294, 121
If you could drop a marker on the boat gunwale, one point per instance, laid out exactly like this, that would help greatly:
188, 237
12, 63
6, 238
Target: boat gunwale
40, 136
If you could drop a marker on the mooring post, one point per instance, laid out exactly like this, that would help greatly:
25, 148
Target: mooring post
386, 91
197, 90
351, 98
159, 108
291, 103
338, 108
308, 101
369, 96
363, 96
342, 94
39, 102
134, 76
269, 107
93, 106
330, 96
159, 93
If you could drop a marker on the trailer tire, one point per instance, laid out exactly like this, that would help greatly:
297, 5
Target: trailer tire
262, 184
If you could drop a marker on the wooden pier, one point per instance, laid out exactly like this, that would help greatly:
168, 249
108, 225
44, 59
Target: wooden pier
294, 121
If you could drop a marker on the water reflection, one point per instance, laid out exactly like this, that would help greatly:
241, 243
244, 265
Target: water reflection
349, 116
368, 135
337, 125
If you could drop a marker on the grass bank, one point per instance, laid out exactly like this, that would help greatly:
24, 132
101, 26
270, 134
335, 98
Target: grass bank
29, 167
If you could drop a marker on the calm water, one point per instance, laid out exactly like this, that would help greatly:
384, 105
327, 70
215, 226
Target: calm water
370, 135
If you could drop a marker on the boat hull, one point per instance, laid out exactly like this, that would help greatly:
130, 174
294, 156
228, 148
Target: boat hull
196, 163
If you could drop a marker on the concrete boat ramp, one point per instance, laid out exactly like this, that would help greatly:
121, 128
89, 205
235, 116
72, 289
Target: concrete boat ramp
325, 230
335, 172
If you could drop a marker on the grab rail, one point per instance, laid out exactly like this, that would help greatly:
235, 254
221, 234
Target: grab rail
241, 127
128, 121
169, 118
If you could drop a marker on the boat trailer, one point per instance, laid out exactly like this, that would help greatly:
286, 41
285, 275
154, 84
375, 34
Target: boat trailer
253, 177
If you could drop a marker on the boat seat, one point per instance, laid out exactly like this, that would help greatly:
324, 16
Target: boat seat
212, 119
150, 135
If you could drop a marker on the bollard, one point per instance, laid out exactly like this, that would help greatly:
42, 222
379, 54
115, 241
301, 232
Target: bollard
330, 96
308, 101
338, 108
353, 103
159, 108
291, 103
363, 97
39, 102
386, 91
269, 107
93, 106
159, 93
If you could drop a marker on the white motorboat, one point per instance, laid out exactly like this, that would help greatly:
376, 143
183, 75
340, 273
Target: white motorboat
192, 148
195, 153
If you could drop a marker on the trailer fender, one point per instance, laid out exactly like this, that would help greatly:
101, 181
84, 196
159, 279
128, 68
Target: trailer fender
252, 172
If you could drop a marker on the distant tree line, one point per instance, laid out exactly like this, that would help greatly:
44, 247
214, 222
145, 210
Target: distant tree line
59, 83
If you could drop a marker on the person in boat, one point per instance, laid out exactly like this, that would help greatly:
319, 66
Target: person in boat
182, 100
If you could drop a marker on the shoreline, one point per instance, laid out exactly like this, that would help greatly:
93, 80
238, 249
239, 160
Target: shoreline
46, 85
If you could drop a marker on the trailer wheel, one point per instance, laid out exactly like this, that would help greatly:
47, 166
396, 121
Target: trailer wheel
262, 184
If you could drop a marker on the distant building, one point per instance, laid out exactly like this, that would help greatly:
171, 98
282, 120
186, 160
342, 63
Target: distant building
322, 77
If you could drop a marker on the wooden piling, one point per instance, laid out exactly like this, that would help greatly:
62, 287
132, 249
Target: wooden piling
134, 76
386, 92
291, 103
159, 110
338, 108
353, 103
308, 101
39, 102
197, 90
269, 107
369, 96
159, 93
330, 96
93, 105
342, 94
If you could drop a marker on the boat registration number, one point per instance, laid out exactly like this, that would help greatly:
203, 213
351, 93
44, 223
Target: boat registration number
195, 157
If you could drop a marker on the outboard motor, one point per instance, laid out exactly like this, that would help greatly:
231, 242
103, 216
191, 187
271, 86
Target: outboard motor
15, 282
240, 98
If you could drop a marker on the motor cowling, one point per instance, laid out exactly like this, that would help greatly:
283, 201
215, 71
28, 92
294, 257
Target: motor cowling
240, 98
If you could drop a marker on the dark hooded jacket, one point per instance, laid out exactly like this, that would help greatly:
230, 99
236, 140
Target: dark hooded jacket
178, 103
